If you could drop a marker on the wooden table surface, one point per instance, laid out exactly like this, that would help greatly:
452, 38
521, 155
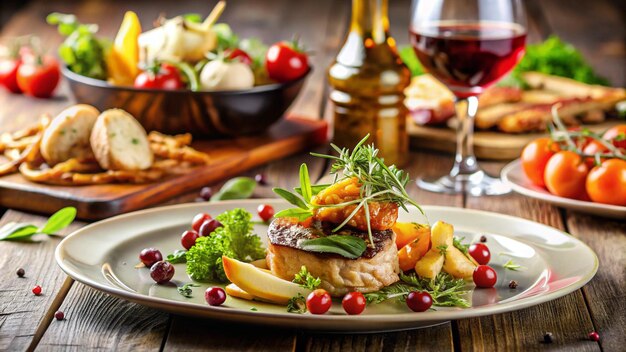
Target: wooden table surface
96, 321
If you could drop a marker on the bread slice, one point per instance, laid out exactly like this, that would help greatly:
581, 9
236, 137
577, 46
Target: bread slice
119, 142
68, 134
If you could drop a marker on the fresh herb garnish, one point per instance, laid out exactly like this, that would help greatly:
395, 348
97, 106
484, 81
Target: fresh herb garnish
443, 249
457, 242
297, 304
306, 280
236, 188
445, 290
22, 232
185, 290
345, 245
179, 256
253, 309
511, 266
407, 54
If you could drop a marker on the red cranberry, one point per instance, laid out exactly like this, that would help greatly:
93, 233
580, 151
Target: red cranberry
149, 256
206, 193
37, 290
208, 227
59, 315
480, 253
198, 220
162, 272
594, 336
260, 179
419, 301
188, 239
215, 296
484, 276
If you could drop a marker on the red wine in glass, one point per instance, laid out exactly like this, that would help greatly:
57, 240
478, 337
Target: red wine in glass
468, 56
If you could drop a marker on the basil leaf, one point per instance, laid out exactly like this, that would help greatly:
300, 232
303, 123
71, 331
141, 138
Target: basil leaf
290, 197
59, 220
179, 256
17, 231
346, 246
298, 213
236, 188
315, 189
305, 183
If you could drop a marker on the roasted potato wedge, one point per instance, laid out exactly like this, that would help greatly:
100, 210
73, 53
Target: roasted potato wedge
429, 266
457, 264
441, 234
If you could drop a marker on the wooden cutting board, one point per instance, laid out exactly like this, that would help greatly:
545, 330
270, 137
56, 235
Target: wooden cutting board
487, 144
229, 157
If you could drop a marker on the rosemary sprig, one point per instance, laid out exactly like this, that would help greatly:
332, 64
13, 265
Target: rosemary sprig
509, 265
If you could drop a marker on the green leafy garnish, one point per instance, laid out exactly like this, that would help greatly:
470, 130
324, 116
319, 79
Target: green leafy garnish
226, 39
185, 290
236, 188
306, 280
22, 232
457, 242
445, 290
254, 309
179, 256
345, 245
509, 265
443, 249
407, 54
234, 239
193, 17
81, 51
297, 304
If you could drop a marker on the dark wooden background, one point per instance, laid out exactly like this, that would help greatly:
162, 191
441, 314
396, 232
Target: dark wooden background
96, 321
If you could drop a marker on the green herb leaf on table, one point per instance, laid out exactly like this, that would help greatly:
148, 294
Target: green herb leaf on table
346, 246
23, 232
509, 265
306, 280
236, 188
59, 220
179, 256
185, 290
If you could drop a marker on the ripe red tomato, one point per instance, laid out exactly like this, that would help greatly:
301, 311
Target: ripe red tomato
353, 303
8, 74
318, 301
484, 276
534, 158
594, 147
480, 253
606, 183
238, 54
165, 77
38, 76
265, 212
285, 62
566, 174
617, 135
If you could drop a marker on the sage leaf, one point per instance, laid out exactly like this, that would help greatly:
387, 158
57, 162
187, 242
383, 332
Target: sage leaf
346, 246
59, 220
297, 213
315, 189
236, 188
291, 198
305, 183
17, 231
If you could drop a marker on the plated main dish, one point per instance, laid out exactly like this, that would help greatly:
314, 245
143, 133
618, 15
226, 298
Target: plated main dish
83, 146
341, 240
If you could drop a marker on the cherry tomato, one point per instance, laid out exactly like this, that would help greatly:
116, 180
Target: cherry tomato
617, 135
238, 54
188, 239
566, 174
484, 276
594, 147
534, 158
198, 220
149, 256
318, 301
215, 296
480, 253
8, 74
162, 272
606, 183
38, 76
209, 226
265, 212
285, 62
419, 301
353, 303
165, 77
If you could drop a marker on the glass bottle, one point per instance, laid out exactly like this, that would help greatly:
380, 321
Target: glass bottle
367, 83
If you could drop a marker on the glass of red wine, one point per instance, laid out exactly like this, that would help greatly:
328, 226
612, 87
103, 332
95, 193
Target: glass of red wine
468, 45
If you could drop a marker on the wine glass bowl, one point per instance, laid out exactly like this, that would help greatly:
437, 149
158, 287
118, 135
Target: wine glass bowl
468, 45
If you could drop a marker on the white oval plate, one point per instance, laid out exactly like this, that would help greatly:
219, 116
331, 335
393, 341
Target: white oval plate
103, 255
513, 175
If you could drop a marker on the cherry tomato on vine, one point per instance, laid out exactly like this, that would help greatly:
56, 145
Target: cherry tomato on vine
8, 74
484, 276
606, 183
617, 135
38, 76
318, 301
164, 76
353, 303
286, 61
534, 158
565, 175
480, 253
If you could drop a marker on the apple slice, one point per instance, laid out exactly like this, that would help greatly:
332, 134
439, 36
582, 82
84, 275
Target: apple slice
260, 283
236, 291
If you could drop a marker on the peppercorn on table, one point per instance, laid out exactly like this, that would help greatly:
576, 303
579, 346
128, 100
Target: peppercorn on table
91, 320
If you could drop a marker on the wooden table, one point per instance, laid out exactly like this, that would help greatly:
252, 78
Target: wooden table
96, 321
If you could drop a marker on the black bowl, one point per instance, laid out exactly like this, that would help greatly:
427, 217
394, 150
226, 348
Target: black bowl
204, 114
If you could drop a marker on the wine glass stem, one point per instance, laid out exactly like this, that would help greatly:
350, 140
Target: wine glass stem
465, 161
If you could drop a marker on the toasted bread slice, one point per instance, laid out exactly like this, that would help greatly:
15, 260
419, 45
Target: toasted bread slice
119, 142
68, 134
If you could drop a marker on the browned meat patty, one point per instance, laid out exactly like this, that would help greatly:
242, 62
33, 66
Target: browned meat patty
376, 268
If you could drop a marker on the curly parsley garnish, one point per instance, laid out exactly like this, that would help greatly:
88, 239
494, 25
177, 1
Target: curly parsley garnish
306, 280
297, 304
185, 290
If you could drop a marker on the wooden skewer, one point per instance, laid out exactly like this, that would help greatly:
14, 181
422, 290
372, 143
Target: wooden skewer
214, 15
